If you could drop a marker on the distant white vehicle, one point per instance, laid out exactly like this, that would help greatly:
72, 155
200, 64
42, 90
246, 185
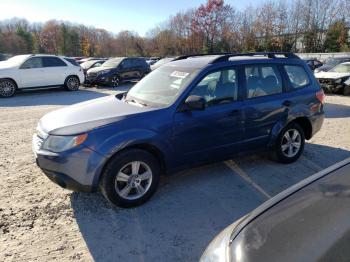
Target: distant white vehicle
39, 71
336, 80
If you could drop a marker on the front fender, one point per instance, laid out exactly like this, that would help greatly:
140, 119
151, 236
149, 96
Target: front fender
113, 144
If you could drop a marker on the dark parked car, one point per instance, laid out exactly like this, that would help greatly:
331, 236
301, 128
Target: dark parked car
116, 70
190, 111
162, 61
92, 64
332, 62
307, 222
313, 63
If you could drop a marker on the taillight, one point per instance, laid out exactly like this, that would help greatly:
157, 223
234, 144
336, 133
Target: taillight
320, 96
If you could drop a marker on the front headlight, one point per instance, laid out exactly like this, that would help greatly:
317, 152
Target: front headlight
62, 143
219, 248
217, 251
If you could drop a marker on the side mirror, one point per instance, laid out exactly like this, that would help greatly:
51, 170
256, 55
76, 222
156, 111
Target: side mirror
195, 103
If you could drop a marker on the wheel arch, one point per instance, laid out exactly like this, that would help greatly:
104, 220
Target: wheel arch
302, 121
65, 81
12, 79
147, 147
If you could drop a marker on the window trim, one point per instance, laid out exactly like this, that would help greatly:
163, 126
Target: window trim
279, 69
289, 86
200, 78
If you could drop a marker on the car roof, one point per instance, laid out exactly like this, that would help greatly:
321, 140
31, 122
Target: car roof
201, 61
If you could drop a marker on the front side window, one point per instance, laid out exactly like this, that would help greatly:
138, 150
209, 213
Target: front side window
218, 87
31, 63
262, 80
297, 76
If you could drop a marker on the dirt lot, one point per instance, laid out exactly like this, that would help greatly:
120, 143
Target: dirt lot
41, 222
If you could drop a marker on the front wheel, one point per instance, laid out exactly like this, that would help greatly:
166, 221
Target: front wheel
290, 144
72, 83
115, 81
7, 88
130, 178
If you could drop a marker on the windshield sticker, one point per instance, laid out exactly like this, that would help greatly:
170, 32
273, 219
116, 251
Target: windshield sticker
179, 74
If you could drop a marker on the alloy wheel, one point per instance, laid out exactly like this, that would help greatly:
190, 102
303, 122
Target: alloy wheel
73, 83
115, 81
291, 143
133, 180
7, 88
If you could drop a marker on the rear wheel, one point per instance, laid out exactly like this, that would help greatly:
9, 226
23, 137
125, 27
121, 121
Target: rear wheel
72, 83
130, 178
290, 144
7, 88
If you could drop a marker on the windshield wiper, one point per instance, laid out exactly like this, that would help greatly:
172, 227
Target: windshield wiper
136, 102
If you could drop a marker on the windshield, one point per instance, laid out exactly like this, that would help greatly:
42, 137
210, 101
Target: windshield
333, 62
342, 68
114, 62
161, 87
163, 61
87, 64
16, 60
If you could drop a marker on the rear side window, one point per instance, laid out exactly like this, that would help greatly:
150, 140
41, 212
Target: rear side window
53, 62
262, 80
297, 76
72, 61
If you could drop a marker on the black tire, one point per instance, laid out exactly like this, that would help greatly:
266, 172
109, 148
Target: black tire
8, 88
115, 81
346, 91
110, 186
72, 83
281, 153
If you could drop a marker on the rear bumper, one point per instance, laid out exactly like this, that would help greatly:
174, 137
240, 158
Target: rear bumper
316, 122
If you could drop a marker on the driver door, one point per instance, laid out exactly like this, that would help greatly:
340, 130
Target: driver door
33, 73
215, 131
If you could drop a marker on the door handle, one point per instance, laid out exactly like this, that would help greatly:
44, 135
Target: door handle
287, 103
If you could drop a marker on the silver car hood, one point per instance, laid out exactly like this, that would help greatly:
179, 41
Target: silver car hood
88, 115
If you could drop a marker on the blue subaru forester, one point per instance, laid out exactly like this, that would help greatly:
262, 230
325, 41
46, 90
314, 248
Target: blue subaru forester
194, 110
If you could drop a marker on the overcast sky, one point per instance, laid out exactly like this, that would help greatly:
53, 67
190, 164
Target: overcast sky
112, 15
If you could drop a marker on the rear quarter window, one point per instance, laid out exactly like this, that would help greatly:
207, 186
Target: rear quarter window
297, 76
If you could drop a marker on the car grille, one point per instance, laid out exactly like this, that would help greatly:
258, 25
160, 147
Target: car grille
326, 81
91, 75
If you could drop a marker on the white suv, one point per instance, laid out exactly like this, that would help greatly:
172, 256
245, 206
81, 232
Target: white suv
34, 71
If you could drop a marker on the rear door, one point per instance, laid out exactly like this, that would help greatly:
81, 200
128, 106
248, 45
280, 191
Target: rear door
32, 72
265, 102
126, 69
55, 71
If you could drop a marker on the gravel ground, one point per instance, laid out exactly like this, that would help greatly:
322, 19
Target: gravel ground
41, 222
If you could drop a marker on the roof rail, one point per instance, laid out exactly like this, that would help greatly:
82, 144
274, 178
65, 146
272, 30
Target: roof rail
268, 54
196, 55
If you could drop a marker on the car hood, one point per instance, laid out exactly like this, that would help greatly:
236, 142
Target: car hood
82, 117
331, 75
4, 65
99, 69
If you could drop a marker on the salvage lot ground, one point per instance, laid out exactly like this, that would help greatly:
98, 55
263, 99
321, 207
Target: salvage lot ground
41, 222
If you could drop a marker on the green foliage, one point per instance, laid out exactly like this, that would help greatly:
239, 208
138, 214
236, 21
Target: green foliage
336, 38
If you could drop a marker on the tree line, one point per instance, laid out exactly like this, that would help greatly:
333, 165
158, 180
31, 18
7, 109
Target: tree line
214, 26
